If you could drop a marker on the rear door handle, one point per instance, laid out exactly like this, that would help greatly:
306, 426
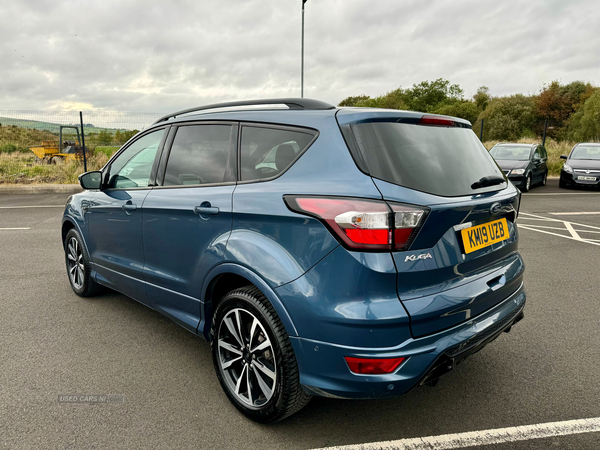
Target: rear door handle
129, 207
206, 210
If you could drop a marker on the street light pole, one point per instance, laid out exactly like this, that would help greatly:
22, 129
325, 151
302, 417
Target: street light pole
302, 56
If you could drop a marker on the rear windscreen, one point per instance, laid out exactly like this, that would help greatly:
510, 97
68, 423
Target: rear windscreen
443, 161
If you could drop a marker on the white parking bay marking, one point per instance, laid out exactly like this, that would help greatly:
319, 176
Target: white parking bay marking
574, 213
4, 229
573, 230
32, 206
566, 193
484, 437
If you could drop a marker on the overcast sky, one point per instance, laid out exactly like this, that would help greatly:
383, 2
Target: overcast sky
160, 56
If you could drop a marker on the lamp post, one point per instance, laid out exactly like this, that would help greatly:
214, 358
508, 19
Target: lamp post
302, 56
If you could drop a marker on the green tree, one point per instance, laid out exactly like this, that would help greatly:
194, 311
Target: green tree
585, 123
465, 110
354, 101
508, 118
105, 137
558, 103
482, 97
126, 135
428, 96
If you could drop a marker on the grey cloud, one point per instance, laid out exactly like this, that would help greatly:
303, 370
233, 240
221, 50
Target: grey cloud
161, 56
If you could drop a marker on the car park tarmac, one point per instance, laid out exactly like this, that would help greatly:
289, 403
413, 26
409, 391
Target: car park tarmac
55, 344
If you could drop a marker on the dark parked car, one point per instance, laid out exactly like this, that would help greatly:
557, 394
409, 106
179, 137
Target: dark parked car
582, 166
525, 165
338, 252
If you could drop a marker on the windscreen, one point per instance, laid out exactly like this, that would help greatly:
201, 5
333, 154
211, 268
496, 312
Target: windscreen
586, 152
444, 161
511, 153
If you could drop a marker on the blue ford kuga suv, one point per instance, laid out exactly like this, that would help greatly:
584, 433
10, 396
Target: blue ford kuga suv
339, 252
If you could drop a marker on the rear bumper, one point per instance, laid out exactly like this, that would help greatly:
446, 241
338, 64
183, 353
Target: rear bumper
323, 370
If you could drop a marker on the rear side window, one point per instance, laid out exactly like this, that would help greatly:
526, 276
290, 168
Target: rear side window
266, 152
444, 161
199, 155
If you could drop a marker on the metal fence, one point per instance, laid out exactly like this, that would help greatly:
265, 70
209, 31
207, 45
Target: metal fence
48, 146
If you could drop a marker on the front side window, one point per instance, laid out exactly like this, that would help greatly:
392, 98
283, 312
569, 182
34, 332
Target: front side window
199, 155
132, 168
267, 152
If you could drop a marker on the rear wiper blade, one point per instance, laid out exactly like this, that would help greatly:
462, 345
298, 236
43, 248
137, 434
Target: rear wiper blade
488, 181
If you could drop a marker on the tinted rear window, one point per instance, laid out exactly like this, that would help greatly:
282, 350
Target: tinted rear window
266, 152
443, 161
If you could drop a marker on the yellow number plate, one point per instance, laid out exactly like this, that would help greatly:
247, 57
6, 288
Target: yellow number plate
481, 236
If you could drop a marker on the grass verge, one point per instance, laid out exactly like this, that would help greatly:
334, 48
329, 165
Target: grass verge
22, 168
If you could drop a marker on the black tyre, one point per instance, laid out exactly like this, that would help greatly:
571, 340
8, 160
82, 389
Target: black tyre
562, 184
527, 184
544, 179
254, 359
78, 266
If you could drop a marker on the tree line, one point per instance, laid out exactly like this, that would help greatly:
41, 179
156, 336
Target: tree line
106, 137
572, 110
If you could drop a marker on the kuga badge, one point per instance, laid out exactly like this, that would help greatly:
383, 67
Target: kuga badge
417, 257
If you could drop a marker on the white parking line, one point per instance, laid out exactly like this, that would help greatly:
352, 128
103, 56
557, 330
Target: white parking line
32, 206
1, 229
567, 193
574, 213
569, 227
484, 437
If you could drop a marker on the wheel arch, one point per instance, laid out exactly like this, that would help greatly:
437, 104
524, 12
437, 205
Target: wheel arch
226, 277
67, 225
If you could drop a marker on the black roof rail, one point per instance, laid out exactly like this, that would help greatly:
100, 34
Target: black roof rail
292, 103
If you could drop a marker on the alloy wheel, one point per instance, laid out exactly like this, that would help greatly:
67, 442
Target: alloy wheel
75, 263
246, 358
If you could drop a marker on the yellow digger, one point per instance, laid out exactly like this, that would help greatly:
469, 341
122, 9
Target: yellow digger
56, 152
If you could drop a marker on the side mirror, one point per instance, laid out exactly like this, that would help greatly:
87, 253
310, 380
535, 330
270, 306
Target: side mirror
563, 156
91, 180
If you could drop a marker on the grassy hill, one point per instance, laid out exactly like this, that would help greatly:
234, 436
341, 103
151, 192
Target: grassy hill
18, 139
49, 126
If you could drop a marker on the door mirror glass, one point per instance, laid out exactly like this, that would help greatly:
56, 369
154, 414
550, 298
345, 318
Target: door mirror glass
563, 156
91, 180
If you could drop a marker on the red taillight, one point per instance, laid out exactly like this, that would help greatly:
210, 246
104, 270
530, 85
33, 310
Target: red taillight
371, 237
407, 220
373, 365
360, 223
436, 121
